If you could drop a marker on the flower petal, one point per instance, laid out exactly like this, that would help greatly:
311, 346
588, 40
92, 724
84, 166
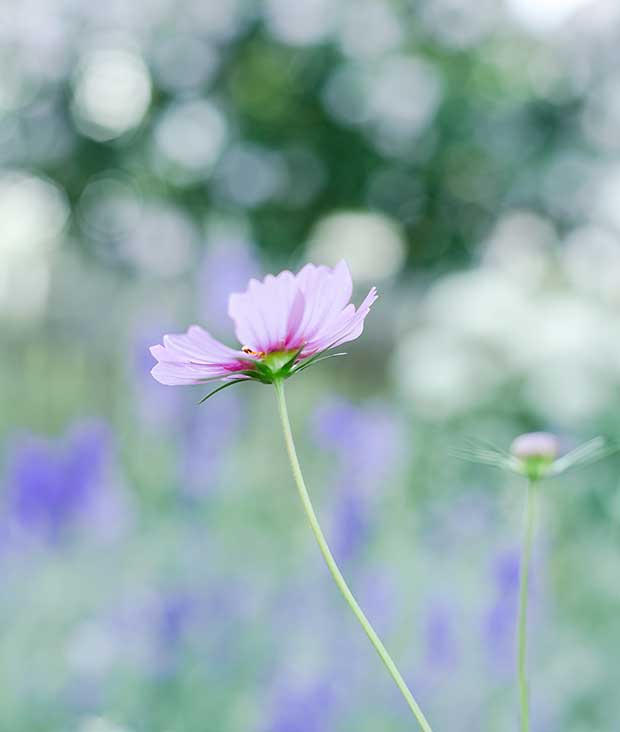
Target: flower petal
264, 314
194, 357
327, 292
175, 374
295, 320
309, 311
347, 328
312, 307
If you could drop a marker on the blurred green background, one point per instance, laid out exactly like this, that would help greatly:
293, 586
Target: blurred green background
157, 572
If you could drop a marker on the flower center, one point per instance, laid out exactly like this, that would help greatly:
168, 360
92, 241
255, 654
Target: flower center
251, 352
272, 365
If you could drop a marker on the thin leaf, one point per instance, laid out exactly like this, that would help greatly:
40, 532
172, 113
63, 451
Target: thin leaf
478, 457
264, 378
479, 443
585, 454
259, 367
495, 458
314, 361
221, 388
320, 354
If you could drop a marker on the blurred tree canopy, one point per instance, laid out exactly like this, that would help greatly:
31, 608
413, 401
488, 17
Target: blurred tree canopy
440, 133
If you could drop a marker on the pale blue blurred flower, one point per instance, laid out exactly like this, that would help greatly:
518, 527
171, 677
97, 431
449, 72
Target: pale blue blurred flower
207, 434
368, 439
173, 615
56, 487
147, 630
380, 593
175, 611
350, 524
440, 636
368, 443
228, 264
501, 620
302, 708
202, 435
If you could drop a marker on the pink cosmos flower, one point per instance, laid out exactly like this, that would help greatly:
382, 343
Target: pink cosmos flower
542, 445
284, 324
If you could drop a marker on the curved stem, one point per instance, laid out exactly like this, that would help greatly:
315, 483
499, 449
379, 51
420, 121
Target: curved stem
523, 605
333, 567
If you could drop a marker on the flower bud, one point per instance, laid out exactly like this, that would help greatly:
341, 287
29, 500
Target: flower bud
536, 452
542, 445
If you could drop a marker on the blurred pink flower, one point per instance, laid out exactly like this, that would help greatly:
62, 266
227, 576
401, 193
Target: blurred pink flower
536, 445
284, 324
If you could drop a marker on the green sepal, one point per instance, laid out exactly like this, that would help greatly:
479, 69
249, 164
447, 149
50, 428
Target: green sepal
586, 454
288, 366
265, 377
536, 467
259, 370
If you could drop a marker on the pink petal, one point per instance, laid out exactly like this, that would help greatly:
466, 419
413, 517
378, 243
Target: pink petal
207, 342
327, 292
193, 357
263, 315
178, 374
287, 311
295, 319
345, 329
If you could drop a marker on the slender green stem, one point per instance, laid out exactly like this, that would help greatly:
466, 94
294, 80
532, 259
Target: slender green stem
523, 605
333, 567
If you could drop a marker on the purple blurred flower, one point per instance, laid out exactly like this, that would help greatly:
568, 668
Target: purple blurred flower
148, 630
368, 439
441, 641
175, 612
170, 620
229, 263
501, 621
281, 322
380, 598
57, 486
303, 708
368, 442
350, 521
207, 435
156, 628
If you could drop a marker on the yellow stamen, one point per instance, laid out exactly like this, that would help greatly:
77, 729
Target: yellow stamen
251, 352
